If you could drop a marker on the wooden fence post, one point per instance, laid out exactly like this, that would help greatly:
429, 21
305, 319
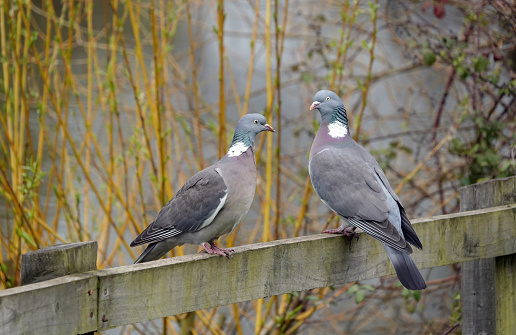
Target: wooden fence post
489, 285
57, 261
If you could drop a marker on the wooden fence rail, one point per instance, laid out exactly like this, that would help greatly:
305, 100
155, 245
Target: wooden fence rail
103, 299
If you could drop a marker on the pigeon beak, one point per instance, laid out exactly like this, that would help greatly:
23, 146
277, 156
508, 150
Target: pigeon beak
269, 128
314, 105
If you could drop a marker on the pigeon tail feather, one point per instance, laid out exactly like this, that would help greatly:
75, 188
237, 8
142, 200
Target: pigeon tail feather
155, 251
407, 272
408, 231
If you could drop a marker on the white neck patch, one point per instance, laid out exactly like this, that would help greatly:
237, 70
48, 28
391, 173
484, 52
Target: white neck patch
337, 129
237, 149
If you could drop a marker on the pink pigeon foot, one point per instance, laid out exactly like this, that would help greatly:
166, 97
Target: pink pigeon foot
348, 231
213, 249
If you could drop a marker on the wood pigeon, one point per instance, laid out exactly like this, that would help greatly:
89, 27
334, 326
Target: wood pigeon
212, 202
348, 179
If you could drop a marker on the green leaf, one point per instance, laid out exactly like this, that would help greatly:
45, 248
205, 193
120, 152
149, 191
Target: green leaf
364, 44
463, 72
360, 85
416, 295
26, 237
405, 293
293, 313
360, 296
369, 288
312, 297
352, 289
480, 64
307, 77
406, 149
448, 42
429, 57
411, 307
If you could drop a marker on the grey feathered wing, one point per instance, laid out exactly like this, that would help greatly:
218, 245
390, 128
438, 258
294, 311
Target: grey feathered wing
192, 208
408, 231
348, 185
406, 269
348, 181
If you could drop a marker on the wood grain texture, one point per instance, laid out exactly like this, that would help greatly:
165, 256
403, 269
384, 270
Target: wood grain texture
57, 261
57, 306
505, 267
490, 193
147, 291
479, 296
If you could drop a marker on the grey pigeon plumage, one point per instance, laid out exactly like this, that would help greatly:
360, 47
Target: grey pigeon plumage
212, 202
348, 179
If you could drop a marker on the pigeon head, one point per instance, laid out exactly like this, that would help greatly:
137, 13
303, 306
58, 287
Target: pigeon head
332, 112
252, 124
245, 132
327, 102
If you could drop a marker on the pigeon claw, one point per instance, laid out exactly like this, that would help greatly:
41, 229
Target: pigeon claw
213, 249
348, 231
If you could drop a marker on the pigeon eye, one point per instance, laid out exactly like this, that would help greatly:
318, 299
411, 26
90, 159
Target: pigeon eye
256, 121
327, 98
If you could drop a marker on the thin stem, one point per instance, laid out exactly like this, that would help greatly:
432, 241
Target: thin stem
358, 121
195, 86
250, 70
222, 99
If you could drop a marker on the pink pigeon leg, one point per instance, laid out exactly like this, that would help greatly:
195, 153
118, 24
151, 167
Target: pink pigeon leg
212, 249
348, 231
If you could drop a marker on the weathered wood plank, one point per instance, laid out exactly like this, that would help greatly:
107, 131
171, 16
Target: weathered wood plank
505, 267
66, 305
478, 297
57, 261
478, 276
147, 291
487, 194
